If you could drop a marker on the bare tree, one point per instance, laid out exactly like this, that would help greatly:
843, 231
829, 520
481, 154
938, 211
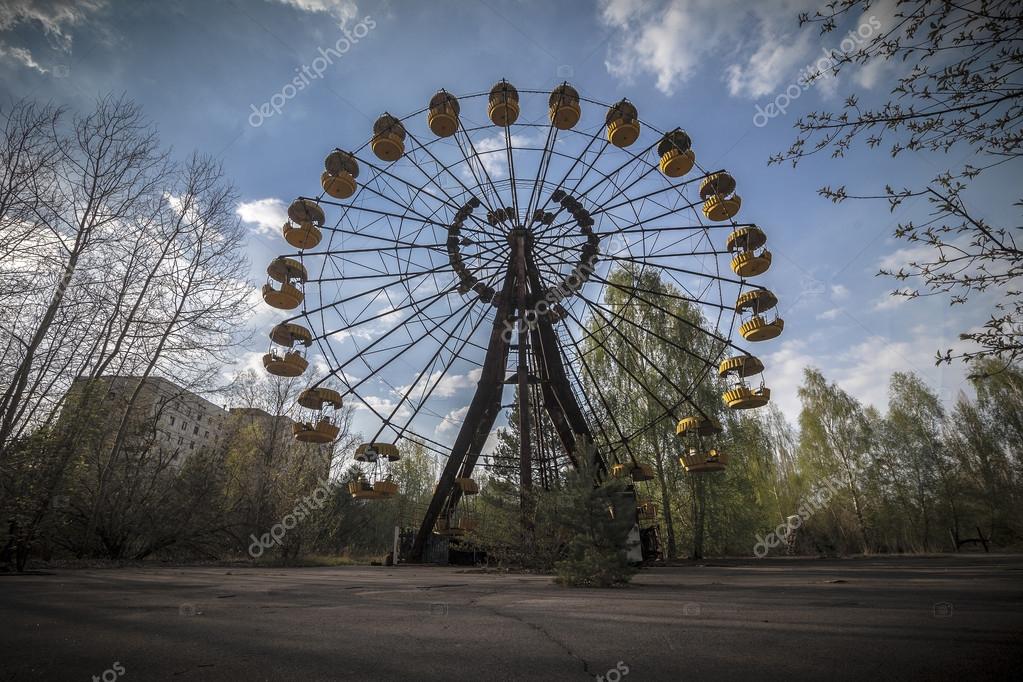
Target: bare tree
961, 89
107, 164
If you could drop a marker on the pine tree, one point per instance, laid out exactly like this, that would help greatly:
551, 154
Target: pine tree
598, 519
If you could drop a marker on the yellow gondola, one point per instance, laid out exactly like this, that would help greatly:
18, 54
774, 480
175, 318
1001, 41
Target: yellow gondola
744, 242
719, 201
289, 364
289, 333
744, 398
756, 301
306, 210
758, 328
622, 123
321, 432
371, 452
302, 235
287, 297
338, 180
443, 115
288, 270
702, 426
677, 157
317, 398
564, 110
695, 461
503, 105
741, 365
388, 141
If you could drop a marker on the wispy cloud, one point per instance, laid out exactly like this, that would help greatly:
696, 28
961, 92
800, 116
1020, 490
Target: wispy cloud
22, 56
266, 215
676, 39
490, 156
452, 420
57, 18
342, 11
760, 46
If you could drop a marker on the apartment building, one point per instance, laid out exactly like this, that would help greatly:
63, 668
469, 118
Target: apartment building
175, 419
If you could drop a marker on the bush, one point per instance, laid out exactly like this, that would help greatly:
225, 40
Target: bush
599, 519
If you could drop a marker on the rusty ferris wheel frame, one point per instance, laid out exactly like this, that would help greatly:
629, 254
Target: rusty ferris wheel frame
498, 239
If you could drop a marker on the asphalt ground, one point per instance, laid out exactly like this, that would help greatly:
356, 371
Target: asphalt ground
888, 618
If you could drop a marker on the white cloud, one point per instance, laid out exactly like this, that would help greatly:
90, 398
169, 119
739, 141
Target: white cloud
22, 56
341, 10
56, 17
383, 406
761, 45
829, 314
491, 157
864, 368
839, 292
878, 14
268, 215
676, 39
763, 72
447, 385
452, 420
888, 302
784, 374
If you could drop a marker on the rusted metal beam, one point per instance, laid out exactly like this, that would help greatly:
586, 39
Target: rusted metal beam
479, 419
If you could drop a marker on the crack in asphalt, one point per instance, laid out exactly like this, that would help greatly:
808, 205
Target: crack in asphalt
539, 628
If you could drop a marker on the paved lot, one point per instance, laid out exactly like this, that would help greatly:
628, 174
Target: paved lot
890, 618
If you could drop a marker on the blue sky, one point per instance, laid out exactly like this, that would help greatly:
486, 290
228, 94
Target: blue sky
200, 69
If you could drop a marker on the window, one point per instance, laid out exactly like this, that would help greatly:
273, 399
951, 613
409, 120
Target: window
206, 435
183, 425
195, 431
172, 421
181, 439
191, 446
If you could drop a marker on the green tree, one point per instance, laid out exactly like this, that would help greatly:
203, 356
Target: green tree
598, 519
835, 438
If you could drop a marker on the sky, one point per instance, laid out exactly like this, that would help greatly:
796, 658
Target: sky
205, 71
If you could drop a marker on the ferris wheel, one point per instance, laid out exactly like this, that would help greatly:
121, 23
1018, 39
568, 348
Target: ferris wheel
474, 243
